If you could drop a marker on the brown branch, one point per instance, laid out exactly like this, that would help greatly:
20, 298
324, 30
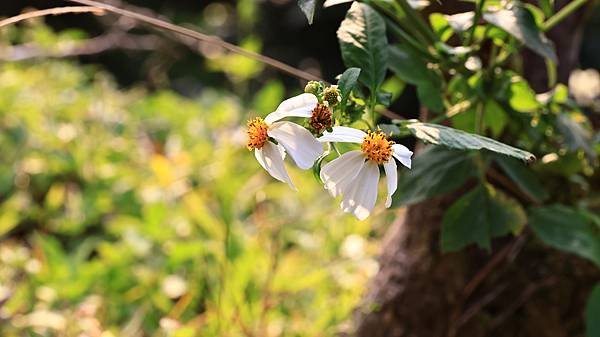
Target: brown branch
165, 25
51, 11
96, 45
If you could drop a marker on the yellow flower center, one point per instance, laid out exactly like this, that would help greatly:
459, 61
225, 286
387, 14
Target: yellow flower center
376, 147
257, 133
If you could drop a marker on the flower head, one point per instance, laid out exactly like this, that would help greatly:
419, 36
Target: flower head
321, 118
355, 174
290, 137
332, 95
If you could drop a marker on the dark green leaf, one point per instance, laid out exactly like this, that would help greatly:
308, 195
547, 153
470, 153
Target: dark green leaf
408, 66
308, 8
457, 139
430, 95
525, 179
478, 216
363, 43
592, 313
347, 83
434, 172
566, 229
520, 23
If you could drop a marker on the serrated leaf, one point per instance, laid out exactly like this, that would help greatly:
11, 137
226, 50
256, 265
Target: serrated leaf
478, 216
592, 313
363, 43
520, 23
457, 139
308, 8
566, 229
523, 177
436, 171
347, 83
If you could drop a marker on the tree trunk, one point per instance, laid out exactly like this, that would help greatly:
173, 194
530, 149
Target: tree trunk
521, 288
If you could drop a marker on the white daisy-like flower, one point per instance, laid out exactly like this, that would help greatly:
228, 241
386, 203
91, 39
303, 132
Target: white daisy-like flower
355, 174
290, 137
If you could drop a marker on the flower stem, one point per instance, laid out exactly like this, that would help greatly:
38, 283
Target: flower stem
418, 21
476, 18
562, 14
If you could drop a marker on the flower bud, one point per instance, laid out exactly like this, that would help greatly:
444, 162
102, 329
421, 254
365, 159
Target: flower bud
313, 87
332, 95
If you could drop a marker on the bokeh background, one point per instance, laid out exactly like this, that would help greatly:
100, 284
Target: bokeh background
129, 205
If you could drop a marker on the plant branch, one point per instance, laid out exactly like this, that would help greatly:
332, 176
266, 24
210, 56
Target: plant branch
99, 7
51, 11
562, 14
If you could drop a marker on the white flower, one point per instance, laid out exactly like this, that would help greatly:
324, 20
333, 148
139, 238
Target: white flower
355, 174
291, 137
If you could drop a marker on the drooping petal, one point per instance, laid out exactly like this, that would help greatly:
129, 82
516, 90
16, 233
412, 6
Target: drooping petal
270, 157
298, 142
339, 173
343, 134
298, 106
391, 174
361, 197
403, 154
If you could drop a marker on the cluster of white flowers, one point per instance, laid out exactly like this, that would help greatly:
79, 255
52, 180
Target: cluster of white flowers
354, 175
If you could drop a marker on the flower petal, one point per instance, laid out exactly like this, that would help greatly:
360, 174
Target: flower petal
270, 157
403, 154
391, 173
361, 198
298, 142
343, 134
339, 173
298, 106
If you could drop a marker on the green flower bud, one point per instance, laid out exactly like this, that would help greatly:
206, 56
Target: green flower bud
313, 87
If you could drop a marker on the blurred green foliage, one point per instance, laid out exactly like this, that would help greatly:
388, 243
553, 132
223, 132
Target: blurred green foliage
129, 213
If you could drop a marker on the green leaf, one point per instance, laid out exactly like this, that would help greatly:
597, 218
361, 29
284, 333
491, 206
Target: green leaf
347, 83
363, 43
478, 216
520, 23
494, 117
430, 95
308, 8
566, 229
408, 66
457, 139
592, 313
575, 135
440, 26
436, 171
521, 97
523, 177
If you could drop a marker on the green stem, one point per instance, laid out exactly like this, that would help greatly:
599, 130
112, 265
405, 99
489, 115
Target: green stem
476, 18
403, 36
562, 14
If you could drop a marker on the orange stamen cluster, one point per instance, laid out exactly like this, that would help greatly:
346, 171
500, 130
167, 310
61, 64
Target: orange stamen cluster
320, 118
377, 147
257, 133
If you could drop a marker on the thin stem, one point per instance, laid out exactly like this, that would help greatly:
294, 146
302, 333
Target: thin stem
562, 14
476, 18
164, 25
51, 11
402, 35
